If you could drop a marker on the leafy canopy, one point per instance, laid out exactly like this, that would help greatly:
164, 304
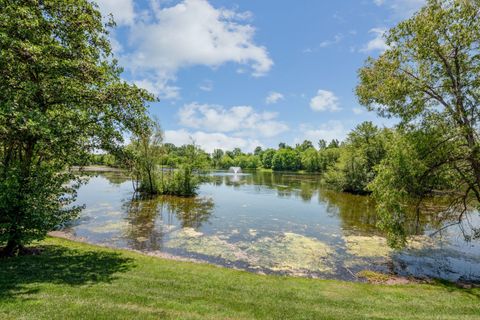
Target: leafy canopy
429, 78
61, 97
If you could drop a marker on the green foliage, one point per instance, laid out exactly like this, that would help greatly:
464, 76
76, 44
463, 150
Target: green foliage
322, 144
61, 98
267, 158
311, 160
397, 180
327, 158
247, 161
362, 151
105, 159
258, 151
429, 78
145, 152
286, 159
226, 162
217, 157
180, 182
304, 146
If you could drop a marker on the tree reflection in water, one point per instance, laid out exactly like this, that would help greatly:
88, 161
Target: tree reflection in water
151, 218
356, 212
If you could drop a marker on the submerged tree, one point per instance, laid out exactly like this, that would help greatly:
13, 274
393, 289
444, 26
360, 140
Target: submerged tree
61, 98
429, 77
145, 152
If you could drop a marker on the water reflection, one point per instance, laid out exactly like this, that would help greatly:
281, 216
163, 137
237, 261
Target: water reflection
270, 222
150, 218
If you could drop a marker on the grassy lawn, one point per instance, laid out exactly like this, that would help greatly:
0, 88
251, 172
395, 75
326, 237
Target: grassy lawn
78, 281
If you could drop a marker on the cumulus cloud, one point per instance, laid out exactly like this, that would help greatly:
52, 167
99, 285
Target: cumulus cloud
327, 131
401, 8
165, 39
210, 141
273, 97
378, 41
324, 101
239, 120
122, 10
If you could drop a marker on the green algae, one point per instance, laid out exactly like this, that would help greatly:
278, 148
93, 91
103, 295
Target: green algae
367, 246
110, 227
292, 253
288, 252
196, 242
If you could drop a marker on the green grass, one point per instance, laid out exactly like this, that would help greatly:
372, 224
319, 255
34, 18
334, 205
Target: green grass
78, 281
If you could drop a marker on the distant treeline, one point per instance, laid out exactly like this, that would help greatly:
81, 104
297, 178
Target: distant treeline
347, 166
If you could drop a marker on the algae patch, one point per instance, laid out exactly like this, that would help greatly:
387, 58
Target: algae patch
291, 252
287, 252
369, 247
110, 227
196, 242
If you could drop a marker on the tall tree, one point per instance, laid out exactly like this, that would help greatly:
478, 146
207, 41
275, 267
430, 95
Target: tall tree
61, 97
429, 77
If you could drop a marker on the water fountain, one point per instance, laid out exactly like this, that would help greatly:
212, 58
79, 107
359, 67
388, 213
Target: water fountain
235, 170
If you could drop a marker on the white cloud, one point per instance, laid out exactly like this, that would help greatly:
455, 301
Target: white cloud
273, 97
327, 43
327, 131
159, 87
206, 85
324, 101
401, 8
336, 39
210, 141
357, 110
165, 39
239, 120
122, 10
377, 43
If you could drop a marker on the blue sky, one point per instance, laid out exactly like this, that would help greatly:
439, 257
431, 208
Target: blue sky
249, 72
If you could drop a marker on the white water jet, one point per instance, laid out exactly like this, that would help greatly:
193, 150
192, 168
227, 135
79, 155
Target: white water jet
235, 170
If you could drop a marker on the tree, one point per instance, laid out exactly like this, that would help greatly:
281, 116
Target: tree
267, 158
322, 144
61, 98
334, 144
306, 144
258, 151
361, 152
237, 152
216, 157
429, 78
311, 160
146, 152
226, 162
286, 159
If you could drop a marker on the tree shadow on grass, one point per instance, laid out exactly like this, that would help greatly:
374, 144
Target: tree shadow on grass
473, 288
59, 265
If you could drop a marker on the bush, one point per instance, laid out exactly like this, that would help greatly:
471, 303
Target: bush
286, 159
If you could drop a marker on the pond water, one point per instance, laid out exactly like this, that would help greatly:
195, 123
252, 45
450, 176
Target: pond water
267, 222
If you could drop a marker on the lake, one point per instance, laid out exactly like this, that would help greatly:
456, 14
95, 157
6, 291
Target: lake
282, 223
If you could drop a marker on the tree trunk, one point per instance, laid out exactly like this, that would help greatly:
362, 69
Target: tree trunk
13, 245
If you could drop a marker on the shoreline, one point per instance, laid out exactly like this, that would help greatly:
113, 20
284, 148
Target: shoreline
376, 279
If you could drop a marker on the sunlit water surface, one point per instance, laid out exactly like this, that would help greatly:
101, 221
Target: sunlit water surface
267, 222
